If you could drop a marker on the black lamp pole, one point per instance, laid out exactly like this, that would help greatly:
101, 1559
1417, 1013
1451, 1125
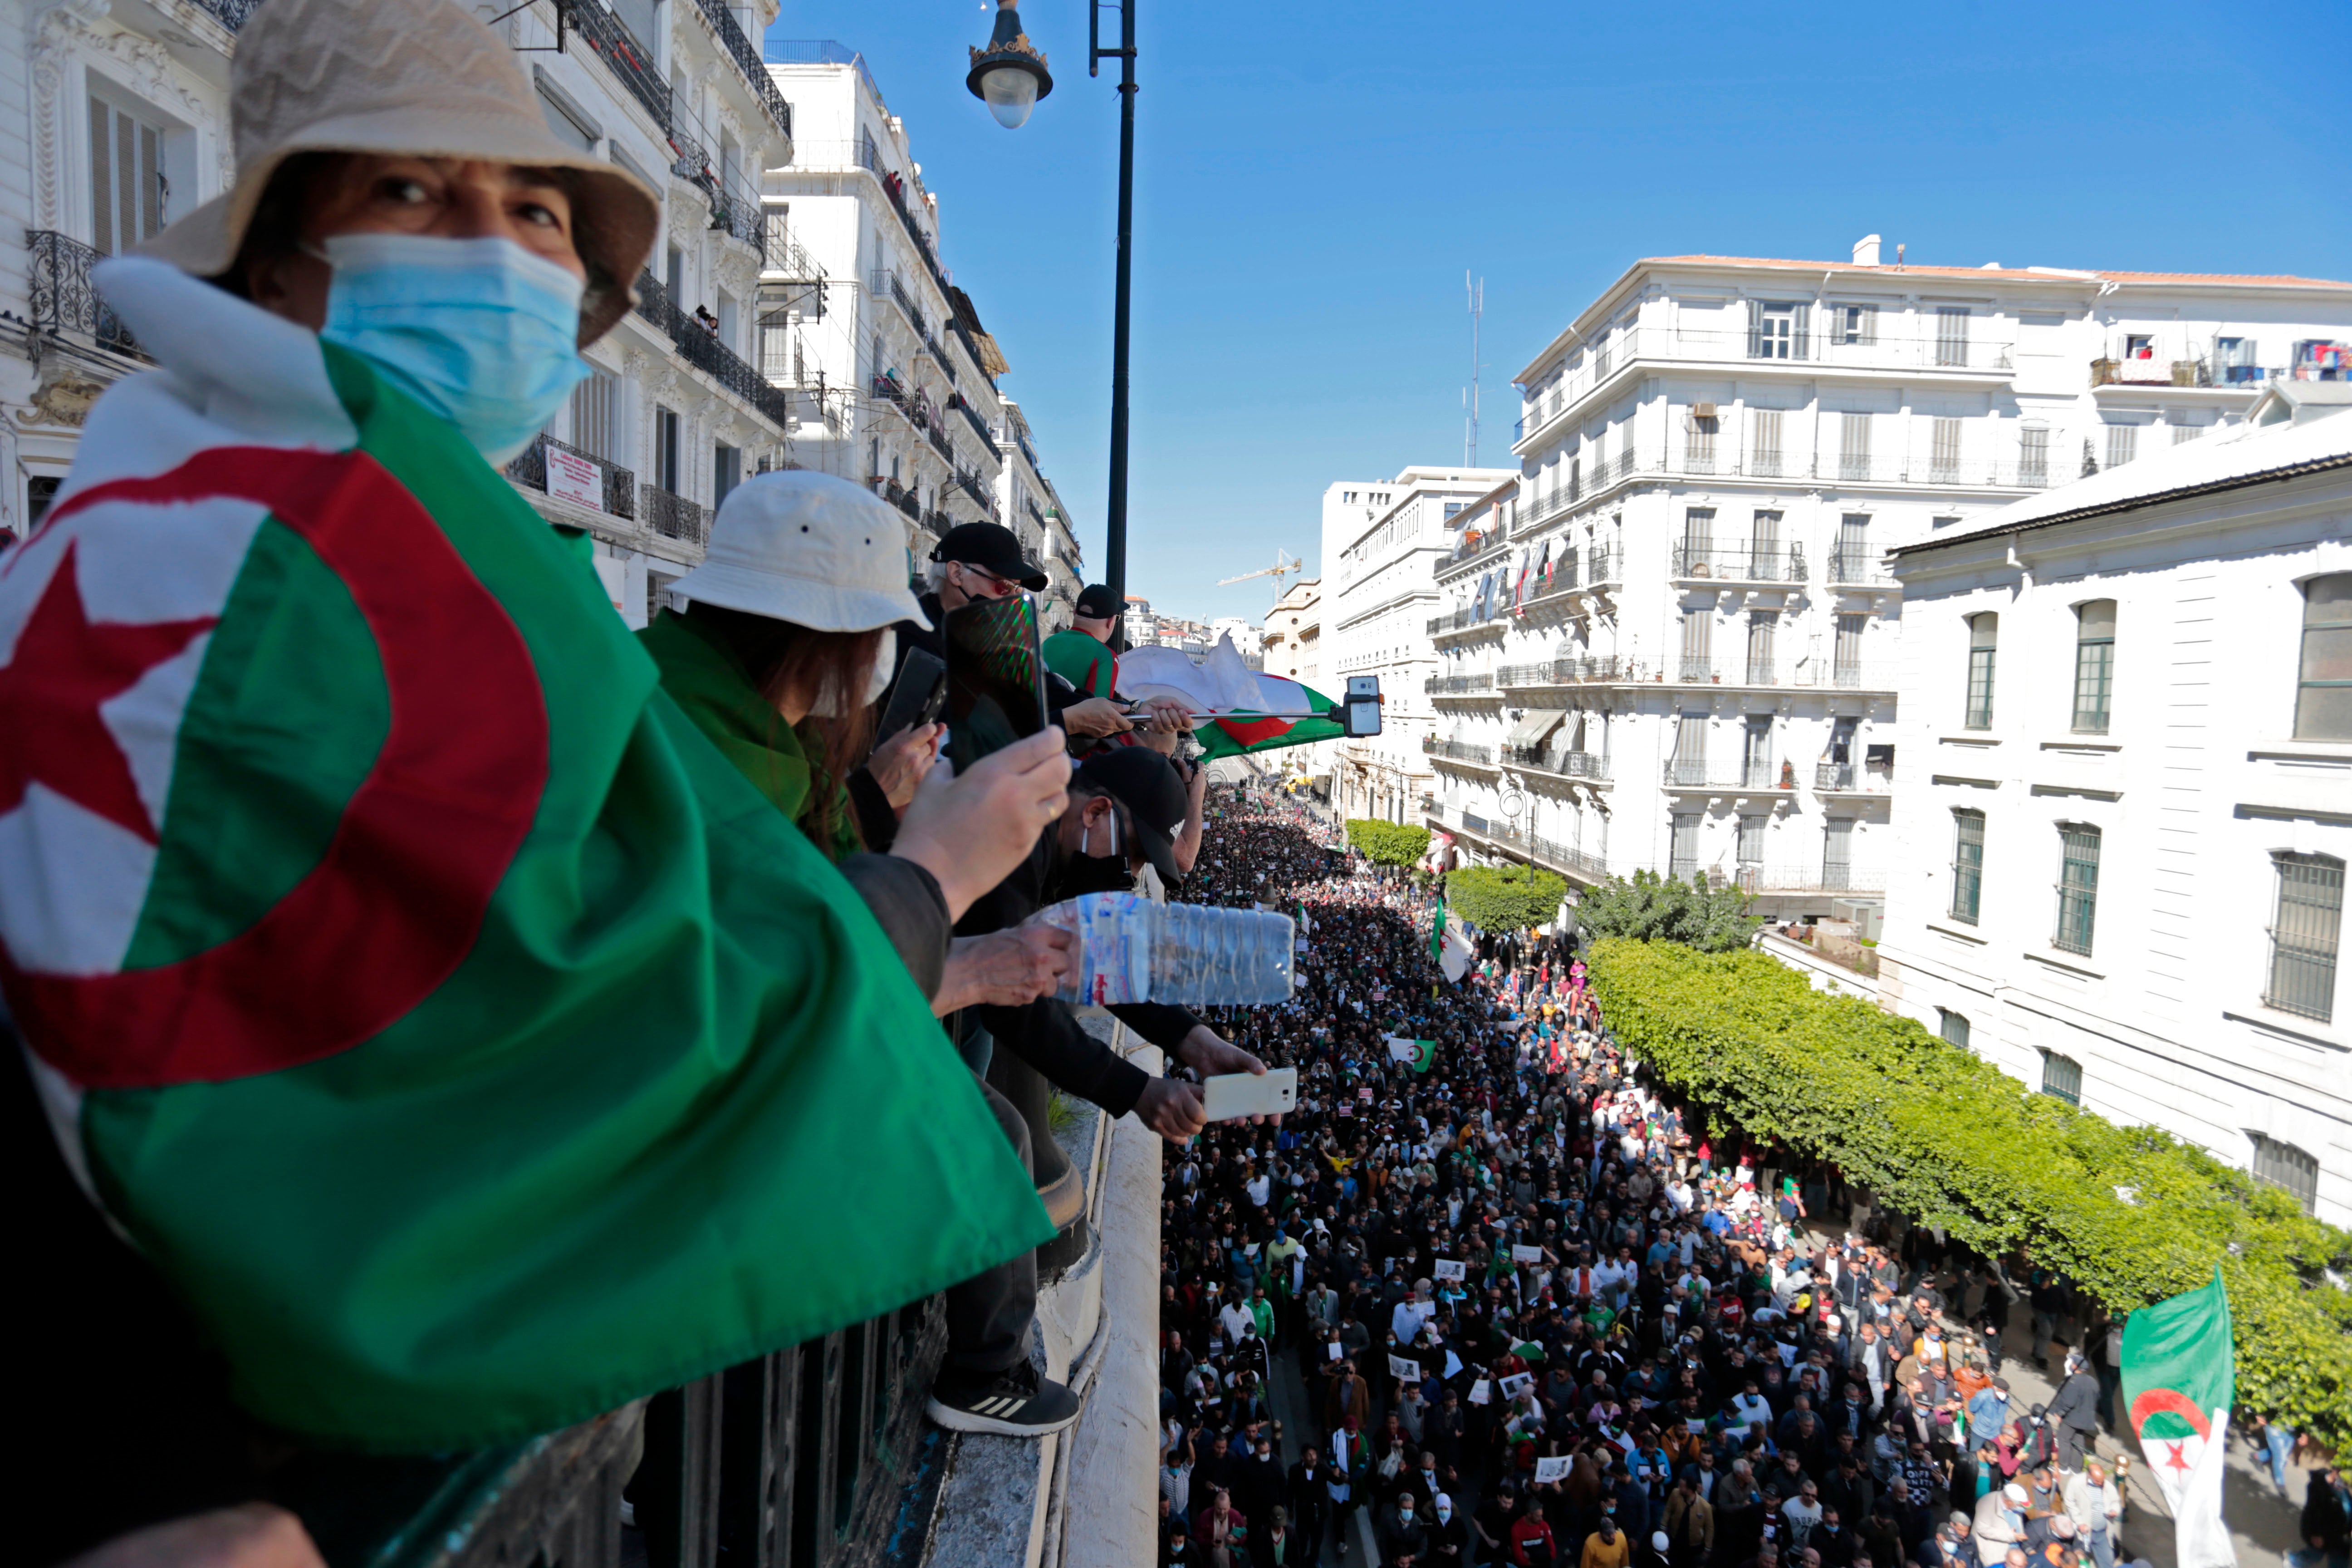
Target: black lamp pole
1115, 514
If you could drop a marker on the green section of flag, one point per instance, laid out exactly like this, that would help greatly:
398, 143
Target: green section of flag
1428, 1057
1232, 734
679, 1106
1437, 933
250, 814
2180, 1346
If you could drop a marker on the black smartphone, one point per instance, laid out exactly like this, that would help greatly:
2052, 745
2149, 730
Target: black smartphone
919, 694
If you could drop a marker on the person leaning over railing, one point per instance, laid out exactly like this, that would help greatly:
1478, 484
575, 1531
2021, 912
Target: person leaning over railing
459, 1034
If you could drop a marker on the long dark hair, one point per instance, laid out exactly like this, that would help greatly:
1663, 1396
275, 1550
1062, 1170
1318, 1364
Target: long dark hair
781, 657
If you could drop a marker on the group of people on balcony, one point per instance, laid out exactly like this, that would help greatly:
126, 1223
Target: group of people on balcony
449, 1016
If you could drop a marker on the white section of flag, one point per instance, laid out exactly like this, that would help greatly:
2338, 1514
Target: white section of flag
2199, 1538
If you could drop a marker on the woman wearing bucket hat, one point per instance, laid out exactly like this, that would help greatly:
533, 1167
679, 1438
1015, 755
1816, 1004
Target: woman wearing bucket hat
783, 644
470, 1046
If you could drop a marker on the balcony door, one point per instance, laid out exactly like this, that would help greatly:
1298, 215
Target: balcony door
1756, 752
127, 184
1837, 853
1690, 750
1764, 548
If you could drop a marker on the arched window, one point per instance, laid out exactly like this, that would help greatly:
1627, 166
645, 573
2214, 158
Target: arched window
2284, 1165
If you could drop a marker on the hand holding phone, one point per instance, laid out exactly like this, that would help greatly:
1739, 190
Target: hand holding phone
1271, 1093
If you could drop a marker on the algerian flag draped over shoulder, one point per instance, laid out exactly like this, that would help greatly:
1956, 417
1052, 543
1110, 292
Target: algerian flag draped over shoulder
466, 1041
2179, 1378
1246, 710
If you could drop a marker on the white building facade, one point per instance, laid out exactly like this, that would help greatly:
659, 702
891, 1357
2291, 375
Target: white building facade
1676, 647
123, 126
2127, 714
1381, 540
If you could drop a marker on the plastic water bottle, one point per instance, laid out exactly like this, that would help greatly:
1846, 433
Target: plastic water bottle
1129, 949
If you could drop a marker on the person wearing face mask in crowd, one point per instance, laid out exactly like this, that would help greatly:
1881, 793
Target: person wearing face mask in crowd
479, 996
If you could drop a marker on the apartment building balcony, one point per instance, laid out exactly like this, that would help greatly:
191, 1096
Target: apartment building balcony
567, 473
1584, 866
64, 305
957, 404
1470, 686
2028, 471
1858, 569
735, 206
884, 283
1703, 561
1686, 775
1584, 767
1461, 752
739, 48
1935, 356
1874, 780
1808, 674
673, 516
631, 61
700, 346
1557, 673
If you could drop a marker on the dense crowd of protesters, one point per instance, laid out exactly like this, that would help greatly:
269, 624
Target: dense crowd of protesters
1540, 1315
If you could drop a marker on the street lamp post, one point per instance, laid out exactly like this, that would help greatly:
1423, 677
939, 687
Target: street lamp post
1010, 76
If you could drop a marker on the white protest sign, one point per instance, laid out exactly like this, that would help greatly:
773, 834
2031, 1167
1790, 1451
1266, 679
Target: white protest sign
1482, 1393
1405, 1368
1518, 1382
1365, 1094
1335, 1347
1446, 1269
1554, 1469
1521, 1253
575, 478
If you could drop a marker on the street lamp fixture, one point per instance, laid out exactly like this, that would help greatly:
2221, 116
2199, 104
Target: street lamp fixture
1010, 75
1005, 68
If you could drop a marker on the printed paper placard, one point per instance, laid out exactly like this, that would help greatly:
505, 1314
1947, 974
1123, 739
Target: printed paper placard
1518, 1382
1482, 1393
1404, 1369
1447, 1269
1553, 1469
1365, 1095
1522, 1253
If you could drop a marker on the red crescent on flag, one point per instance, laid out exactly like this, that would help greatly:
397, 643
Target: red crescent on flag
394, 905
1250, 731
2171, 1402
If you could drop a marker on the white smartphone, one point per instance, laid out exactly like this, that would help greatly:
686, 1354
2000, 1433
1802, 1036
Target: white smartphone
1274, 1092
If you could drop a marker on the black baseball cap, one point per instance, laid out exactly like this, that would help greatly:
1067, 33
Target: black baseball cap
992, 547
1098, 603
1144, 781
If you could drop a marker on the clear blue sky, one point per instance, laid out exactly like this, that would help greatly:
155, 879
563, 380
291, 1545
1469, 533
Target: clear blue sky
1312, 179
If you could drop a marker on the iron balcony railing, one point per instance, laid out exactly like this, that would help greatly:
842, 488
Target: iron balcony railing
1689, 773
2027, 470
893, 188
1699, 557
1826, 876
1563, 764
747, 60
1851, 778
674, 516
735, 207
1572, 671
1459, 685
1456, 620
700, 347
618, 485
1694, 666
64, 302
1857, 566
885, 280
980, 429
229, 14
630, 61
1458, 751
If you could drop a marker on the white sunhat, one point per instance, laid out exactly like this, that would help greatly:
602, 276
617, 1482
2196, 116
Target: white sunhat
809, 549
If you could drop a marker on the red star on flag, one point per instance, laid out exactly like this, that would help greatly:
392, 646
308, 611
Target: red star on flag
66, 667
2175, 1459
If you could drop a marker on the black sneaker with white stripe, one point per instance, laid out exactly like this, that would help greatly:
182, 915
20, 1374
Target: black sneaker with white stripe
1015, 1403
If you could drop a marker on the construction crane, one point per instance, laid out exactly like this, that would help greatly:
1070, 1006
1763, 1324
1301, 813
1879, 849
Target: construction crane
1284, 562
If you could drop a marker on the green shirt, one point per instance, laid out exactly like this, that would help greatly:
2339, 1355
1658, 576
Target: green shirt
706, 679
1085, 662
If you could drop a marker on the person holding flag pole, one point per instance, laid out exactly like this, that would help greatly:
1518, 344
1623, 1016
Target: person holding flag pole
2180, 1377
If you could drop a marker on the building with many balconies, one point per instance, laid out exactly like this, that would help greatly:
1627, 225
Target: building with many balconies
1381, 539
1674, 646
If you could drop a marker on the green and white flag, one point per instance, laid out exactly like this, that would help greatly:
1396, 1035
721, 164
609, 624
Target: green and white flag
468, 1042
2180, 1376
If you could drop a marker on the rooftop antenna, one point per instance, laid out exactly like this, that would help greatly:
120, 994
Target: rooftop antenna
1478, 294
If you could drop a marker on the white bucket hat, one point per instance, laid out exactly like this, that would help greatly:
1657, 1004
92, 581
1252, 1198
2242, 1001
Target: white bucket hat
809, 549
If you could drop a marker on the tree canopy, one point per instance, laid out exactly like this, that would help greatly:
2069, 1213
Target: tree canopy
1505, 898
1651, 908
1389, 843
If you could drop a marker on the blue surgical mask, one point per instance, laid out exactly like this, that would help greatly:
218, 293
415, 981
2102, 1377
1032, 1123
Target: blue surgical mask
479, 331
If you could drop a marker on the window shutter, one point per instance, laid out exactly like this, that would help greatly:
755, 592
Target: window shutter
1870, 323
1755, 328
1799, 317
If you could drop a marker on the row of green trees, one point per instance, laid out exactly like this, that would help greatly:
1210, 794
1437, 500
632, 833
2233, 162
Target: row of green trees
1505, 898
1651, 908
2131, 1214
1388, 843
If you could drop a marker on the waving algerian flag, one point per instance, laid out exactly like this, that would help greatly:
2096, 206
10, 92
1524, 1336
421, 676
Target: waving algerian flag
2180, 1376
471, 1046
1244, 710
